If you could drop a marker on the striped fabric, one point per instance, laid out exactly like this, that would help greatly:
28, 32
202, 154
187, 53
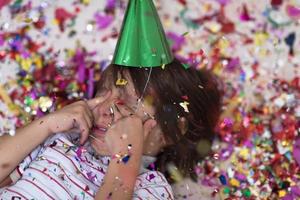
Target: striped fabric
58, 169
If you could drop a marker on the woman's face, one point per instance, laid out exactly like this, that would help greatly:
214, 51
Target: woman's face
125, 100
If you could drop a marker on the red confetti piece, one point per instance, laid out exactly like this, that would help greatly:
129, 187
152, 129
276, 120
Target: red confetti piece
61, 15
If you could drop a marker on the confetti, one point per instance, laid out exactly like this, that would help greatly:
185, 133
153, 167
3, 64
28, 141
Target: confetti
175, 173
184, 105
121, 82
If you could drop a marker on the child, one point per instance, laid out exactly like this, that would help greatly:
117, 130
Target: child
102, 148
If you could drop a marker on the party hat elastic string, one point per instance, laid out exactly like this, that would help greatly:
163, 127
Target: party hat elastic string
144, 90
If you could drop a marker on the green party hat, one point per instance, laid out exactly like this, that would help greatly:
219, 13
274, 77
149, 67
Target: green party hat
142, 42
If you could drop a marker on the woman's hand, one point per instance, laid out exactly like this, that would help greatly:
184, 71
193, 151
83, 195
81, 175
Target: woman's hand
76, 115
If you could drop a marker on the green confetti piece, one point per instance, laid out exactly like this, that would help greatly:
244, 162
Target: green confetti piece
186, 33
226, 190
246, 192
186, 66
28, 101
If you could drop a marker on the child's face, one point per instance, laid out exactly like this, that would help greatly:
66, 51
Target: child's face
125, 100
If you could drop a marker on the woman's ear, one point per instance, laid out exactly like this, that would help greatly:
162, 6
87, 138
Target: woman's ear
182, 124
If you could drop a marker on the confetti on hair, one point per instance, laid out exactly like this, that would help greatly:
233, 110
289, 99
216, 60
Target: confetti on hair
185, 97
121, 82
186, 66
184, 105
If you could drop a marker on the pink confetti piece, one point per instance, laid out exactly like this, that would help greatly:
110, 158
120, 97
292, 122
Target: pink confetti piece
293, 11
296, 151
102, 20
61, 15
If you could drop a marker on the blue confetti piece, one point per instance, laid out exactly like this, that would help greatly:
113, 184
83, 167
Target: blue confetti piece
223, 179
125, 159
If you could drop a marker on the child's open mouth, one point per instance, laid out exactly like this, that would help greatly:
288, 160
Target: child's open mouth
99, 130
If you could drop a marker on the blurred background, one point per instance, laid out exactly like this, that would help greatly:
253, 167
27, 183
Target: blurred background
52, 52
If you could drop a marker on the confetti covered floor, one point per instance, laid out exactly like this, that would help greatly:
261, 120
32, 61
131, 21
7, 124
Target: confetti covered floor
52, 52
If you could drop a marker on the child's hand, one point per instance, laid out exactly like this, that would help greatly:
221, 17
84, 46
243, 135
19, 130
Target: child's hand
126, 131
76, 115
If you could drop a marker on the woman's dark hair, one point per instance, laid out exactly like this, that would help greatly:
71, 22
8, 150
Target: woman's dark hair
170, 87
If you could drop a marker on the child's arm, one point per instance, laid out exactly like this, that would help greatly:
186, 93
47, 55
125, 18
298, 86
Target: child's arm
14, 149
120, 178
76, 115
5, 182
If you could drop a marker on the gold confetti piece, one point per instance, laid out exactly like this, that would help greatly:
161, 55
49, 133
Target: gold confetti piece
260, 38
38, 61
26, 64
55, 22
149, 100
184, 105
281, 193
174, 172
163, 66
244, 153
234, 182
5, 96
121, 82
85, 2
28, 20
